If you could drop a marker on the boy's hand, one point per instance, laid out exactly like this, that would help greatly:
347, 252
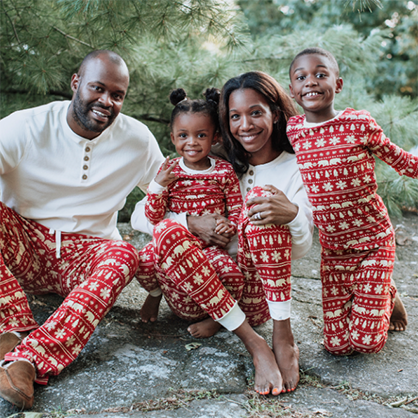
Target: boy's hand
166, 176
224, 227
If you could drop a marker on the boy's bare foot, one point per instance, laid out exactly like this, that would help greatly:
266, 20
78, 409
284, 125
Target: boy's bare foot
286, 353
267, 374
149, 310
399, 318
204, 329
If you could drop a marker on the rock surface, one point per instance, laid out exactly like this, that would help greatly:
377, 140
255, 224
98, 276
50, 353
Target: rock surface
129, 367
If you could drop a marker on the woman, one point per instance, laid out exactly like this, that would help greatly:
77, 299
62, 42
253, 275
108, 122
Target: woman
275, 225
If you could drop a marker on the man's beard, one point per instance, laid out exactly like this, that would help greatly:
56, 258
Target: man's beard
81, 115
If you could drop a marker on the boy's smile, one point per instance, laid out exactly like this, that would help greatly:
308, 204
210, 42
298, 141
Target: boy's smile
314, 83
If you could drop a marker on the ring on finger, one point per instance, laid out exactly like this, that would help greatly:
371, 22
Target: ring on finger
258, 216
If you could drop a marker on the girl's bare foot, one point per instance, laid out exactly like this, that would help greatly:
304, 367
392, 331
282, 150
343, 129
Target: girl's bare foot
286, 353
267, 374
399, 318
205, 328
149, 310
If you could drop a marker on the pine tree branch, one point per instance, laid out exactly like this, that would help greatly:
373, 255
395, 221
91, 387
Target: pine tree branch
211, 20
72, 37
403, 117
49, 92
11, 22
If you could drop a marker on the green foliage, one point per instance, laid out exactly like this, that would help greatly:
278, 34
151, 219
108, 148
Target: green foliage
202, 43
397, 21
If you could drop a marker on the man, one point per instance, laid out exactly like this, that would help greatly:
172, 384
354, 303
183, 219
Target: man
65, 170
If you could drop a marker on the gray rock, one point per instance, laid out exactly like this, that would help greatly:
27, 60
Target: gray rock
127, 361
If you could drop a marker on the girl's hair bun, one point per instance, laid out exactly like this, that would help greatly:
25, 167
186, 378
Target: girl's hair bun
212, 95
177, 95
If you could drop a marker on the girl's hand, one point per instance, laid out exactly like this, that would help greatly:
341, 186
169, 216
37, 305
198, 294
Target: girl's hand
224, 227
275, 209
166, 176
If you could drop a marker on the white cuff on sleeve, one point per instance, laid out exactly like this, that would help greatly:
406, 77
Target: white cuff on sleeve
155, 187
301, 230
156, 292
181, 218
279, 310
233, 319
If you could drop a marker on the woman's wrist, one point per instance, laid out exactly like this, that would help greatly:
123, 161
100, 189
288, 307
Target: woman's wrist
294, 209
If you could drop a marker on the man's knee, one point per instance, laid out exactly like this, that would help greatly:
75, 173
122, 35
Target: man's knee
120, 256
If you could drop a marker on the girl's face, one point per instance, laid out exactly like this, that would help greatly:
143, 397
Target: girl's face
193, 135
251, 124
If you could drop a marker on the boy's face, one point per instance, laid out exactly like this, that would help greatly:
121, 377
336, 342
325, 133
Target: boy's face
314, 83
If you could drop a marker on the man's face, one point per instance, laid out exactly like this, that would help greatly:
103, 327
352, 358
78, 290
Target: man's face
99, 92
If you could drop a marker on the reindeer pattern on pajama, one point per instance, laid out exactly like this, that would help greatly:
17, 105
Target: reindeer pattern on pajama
89, 272
337, 165
213, 192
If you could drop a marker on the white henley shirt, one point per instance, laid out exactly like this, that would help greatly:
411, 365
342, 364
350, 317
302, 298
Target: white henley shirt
66, 182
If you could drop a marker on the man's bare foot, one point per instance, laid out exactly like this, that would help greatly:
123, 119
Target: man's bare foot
267, 374
149, 310
204, 329
286, 353
399, 318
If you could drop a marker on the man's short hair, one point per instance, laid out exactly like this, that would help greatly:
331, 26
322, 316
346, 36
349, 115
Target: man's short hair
112, 56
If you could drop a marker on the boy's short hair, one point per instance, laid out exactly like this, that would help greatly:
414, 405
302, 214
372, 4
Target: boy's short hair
317, 51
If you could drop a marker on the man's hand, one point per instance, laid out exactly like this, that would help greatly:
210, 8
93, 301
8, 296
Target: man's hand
166, 176
204, 227
276, 209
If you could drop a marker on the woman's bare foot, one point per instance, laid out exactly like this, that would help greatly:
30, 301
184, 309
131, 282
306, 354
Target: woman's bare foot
204, 329
149, 310
399, 318
267, 374
286, 353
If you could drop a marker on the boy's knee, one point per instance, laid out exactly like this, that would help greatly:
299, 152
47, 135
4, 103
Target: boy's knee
368, 344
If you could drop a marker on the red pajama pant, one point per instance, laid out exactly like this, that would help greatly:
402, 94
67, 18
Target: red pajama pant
90, 273
264, 256
195, 281
358, 299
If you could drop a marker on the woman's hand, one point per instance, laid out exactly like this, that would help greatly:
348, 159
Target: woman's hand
166, 176
204, 227
276, 209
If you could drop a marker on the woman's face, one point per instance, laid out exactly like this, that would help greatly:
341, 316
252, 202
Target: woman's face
251, 124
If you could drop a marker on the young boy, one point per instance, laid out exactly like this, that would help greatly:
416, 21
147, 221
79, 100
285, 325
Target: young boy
334, 150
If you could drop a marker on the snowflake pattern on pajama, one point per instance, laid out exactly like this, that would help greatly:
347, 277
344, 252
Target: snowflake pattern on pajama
264, 256
90, 274
336, 162
214, 192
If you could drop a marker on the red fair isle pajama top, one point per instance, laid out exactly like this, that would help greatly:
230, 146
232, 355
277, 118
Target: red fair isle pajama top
192, 275
336, 161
